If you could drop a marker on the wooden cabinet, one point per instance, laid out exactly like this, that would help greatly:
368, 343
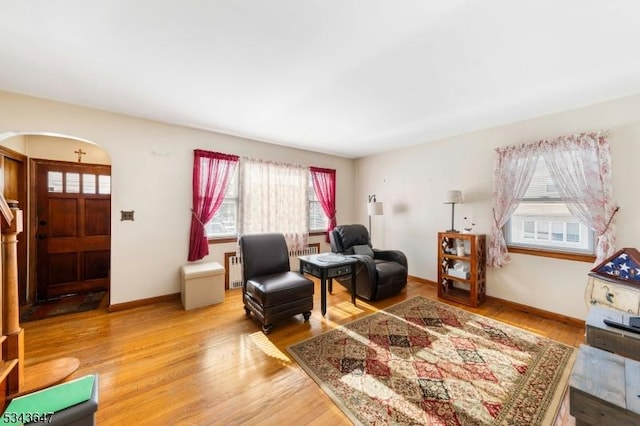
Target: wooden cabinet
462, 265
602, 336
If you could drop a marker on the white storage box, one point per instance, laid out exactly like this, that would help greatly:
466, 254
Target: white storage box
202, 284
458, 273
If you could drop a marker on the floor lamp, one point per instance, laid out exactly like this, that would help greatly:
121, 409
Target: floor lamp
374, 208
453, 198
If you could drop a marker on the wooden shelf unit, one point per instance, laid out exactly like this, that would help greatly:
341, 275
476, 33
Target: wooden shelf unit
469, 291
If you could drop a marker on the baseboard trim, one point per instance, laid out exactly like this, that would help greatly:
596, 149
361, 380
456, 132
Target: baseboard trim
520, 307
539, 312
143, 302
422, 280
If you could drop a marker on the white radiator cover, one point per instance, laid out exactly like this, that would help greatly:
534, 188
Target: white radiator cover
235, 265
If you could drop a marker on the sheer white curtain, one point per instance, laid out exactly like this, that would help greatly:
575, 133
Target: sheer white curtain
580, 166
512, 172
273, 198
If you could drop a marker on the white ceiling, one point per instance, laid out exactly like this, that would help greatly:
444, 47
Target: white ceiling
344, 77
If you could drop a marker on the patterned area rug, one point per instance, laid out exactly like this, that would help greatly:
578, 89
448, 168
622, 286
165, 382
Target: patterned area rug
424, 362
62, 306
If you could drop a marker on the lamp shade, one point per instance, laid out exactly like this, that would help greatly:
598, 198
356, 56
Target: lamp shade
453, 197
374, 208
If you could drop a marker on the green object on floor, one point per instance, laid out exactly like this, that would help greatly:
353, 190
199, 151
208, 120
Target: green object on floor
38, 406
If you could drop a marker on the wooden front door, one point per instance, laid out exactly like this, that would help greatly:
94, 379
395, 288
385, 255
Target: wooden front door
73, 228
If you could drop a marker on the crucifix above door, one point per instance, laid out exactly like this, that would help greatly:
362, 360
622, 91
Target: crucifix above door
80, 153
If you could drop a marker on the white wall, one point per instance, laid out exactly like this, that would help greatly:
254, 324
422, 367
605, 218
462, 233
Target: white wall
16, 143
62, 149
151, 174
412, 182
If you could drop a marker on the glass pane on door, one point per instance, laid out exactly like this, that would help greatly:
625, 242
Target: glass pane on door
88, 183
54, 181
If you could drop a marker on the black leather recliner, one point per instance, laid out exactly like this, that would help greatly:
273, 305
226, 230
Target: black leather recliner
270, 290
380, 273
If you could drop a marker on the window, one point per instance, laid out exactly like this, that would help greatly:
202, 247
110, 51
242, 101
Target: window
104, 184
88, 183
318, 220
73, 182
543, 221
578, 166
69, 183
54, 181
225, 222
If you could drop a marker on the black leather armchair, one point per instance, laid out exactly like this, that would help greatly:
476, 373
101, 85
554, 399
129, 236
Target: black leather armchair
380, 273
270, 290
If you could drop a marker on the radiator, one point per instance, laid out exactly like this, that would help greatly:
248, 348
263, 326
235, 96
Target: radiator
234, 264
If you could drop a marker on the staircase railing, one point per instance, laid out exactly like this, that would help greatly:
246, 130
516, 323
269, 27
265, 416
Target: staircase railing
12, 367
15, 378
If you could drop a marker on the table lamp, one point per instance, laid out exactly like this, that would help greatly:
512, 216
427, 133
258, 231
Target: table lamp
453, 197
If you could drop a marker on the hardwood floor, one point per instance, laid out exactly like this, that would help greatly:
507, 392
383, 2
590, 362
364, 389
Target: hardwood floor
159, 364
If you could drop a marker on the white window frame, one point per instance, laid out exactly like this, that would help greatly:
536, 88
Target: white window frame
313, 201
231, 198
514, 230
516, 235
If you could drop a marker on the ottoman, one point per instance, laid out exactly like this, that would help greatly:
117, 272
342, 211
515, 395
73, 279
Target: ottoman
202, 284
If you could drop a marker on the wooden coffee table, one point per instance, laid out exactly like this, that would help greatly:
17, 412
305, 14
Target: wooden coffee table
327, 266
604, 388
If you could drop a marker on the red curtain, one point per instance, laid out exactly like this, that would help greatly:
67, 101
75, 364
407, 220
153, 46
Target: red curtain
211, 174
324, 183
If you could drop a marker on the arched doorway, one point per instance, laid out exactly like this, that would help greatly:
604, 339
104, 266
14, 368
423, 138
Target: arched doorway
67, 214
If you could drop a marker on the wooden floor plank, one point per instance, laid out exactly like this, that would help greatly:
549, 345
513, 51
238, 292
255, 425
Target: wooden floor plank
159, 364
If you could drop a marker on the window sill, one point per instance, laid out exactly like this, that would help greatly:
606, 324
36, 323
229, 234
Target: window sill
221, 240
553, 254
